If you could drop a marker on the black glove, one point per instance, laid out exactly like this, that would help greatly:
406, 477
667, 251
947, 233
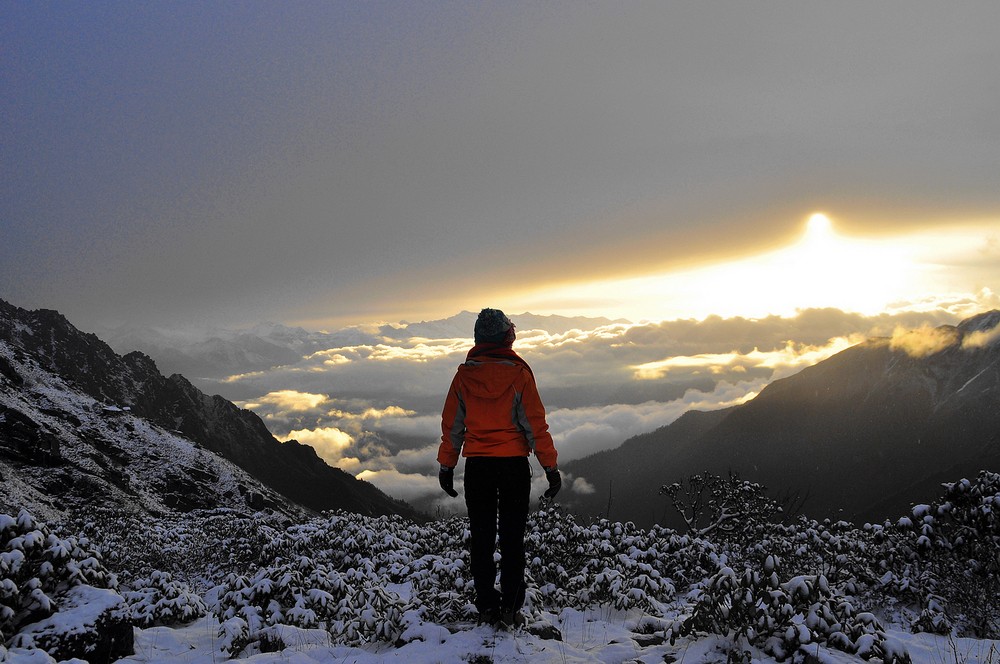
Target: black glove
446, 477
555, 482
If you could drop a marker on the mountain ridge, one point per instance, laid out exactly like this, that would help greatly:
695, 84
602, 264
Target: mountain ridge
88, 365
856, 436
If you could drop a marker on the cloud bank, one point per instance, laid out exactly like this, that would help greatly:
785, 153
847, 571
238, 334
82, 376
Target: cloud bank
372, 406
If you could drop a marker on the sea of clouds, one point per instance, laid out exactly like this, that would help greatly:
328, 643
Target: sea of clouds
369, 401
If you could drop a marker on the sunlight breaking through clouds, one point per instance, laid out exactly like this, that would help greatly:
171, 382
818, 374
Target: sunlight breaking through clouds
288, 400
824, 268
330, 444
372, 414
924, 341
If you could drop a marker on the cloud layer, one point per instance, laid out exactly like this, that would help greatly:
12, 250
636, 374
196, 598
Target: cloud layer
375, 410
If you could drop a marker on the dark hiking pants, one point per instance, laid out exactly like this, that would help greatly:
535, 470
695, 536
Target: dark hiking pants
497, 492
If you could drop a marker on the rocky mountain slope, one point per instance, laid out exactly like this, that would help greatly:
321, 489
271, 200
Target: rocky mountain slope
63, 452
858, 436
71, 408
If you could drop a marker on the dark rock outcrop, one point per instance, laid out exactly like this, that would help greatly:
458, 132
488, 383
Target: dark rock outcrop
26, 439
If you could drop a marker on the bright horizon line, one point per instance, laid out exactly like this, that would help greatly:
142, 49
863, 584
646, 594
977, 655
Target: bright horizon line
822, 268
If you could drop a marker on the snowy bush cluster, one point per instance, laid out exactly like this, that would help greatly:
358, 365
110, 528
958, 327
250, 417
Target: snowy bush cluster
364, 579
37, 568
160, 600
305, 593
201, 546
756, 608
938, 567
570, 564
776, 587
945, 556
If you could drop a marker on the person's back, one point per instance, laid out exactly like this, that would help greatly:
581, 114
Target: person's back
494, 417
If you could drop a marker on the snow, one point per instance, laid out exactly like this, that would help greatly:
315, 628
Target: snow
87, 604
82, 607
597, 635
593, 636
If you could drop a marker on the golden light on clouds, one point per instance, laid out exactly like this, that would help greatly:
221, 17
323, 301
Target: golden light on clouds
924, 341
289, 400
330, 444
417, 350
981, 339
783, 361
866, 275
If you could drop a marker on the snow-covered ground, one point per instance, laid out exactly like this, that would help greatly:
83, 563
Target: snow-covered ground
592, 636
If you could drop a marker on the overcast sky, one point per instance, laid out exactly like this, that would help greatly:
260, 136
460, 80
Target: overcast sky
327, 163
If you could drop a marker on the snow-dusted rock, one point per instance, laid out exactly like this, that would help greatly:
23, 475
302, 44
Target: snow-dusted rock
90, 625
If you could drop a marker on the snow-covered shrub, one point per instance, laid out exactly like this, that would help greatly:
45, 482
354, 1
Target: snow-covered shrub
90, 625
441, 586
159, 599
572, 565
130, 545
343, 540
837, 550
334, 572
352, 605
226, 541
944, 558
560, 556
753, 608
200, 546
371, 613
300, 593
37, 568
933, 618
686, 559
724, 509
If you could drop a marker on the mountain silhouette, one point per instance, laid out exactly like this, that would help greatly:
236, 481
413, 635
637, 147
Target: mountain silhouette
859, 436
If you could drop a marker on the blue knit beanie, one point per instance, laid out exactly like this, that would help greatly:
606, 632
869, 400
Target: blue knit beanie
492, 326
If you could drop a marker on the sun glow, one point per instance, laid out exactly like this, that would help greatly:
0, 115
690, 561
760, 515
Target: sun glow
821, 269
819, 226
827, 270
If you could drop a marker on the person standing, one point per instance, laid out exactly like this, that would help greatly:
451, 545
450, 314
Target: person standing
494, 417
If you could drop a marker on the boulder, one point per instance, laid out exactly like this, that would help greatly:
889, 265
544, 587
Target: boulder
91, 624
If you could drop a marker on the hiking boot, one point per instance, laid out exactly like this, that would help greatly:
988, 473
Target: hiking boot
489, 617
512, 619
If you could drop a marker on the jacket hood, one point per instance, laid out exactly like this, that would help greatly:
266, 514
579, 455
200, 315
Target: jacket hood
490, 379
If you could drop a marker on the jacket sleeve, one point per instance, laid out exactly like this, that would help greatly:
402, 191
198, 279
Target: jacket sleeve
531, 416
452, 427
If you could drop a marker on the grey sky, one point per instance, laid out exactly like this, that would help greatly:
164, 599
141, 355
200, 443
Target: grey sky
232, 162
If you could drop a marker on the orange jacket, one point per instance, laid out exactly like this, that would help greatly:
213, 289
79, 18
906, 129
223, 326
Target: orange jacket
493, 409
